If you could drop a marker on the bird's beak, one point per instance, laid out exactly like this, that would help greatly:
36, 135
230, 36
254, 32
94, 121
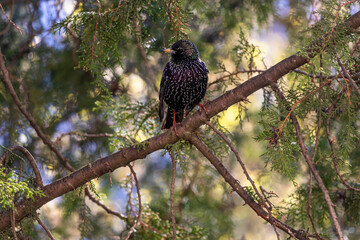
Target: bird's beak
168, 50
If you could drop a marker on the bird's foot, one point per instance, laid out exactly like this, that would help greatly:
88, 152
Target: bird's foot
174, 127
202, 107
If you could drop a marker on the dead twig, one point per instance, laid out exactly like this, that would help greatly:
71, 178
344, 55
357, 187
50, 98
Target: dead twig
201, 146
133, 175
10, 21
44, 226
233, 149
29, 157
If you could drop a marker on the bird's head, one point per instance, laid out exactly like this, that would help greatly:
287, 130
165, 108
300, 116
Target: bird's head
183, 50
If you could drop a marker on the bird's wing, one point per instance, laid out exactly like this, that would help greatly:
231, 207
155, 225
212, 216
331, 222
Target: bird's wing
204, 66
161, 93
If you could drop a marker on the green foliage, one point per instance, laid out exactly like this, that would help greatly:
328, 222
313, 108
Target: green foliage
13, 190
105, 32
157, 228
296, 210
245, 51
86, 226
283, 151
133, 122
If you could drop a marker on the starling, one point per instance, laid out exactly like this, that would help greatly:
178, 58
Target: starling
183, 83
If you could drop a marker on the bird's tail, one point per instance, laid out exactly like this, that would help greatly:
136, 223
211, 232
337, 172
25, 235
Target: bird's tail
168, 121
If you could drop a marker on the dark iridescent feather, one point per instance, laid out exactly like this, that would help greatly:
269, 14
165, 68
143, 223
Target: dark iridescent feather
183, 83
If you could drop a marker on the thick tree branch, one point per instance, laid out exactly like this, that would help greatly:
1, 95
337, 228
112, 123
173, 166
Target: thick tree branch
127, 155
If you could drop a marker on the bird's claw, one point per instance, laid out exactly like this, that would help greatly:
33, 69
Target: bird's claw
174, 128
201, 106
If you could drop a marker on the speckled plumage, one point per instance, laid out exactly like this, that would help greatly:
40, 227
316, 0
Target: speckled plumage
183, 83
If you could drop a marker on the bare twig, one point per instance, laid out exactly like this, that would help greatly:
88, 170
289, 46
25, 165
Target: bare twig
193, 139
313, 75
9, 20
106, 208
11, 15
139, 201
269, 209
13, 223
76, 47
85, 135
188, 188
44, 227
347, 88
31, 159
232, 147
235, 73
172, 191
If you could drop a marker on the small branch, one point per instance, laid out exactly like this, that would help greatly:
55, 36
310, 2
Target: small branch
333, 156
76, 45
9, 20
107, 209
313, 75
29, 157
300, 101
139, 200
193, 139
304, 152
85, 135
155, 230
44, 227
235, 73
232, 147
2, 32
347, 88
309, 206
188, 188
169, 10
172, 191
13, 224
353, 83
270, 212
